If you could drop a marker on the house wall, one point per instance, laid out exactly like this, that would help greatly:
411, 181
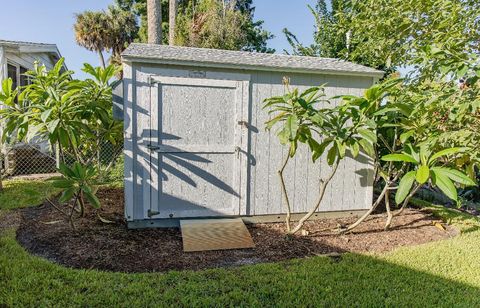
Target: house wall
350, 189
27, 60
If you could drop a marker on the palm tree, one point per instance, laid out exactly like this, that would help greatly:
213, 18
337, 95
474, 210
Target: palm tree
92, 32
172, 17
154, 21
123, 30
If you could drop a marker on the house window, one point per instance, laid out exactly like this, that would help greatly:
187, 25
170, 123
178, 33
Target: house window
12, 73
16, 72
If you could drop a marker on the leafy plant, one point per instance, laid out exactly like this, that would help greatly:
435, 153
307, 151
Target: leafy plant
334, 131
75, 116
428, 168
77, 182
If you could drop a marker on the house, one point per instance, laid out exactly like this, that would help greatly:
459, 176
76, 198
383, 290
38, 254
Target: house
16, 58
195, 142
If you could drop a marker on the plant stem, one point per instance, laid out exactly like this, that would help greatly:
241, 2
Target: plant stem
389, 212
323, 186
407, 199
284, 191
370, 211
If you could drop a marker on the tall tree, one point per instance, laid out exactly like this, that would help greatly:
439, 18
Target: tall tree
92, 32
154, 21
396, 31
172, 17
103, 31
123, 29
191, 15
332, 38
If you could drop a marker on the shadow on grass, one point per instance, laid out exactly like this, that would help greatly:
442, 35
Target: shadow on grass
352, 280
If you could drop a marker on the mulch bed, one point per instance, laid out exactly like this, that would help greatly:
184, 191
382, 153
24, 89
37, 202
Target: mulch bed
112, 247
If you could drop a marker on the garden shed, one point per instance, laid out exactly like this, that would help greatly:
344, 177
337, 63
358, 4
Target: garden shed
195, 142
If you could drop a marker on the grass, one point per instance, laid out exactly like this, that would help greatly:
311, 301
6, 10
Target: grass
25, 193
441, 274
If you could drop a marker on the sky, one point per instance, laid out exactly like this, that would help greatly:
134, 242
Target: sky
51, 21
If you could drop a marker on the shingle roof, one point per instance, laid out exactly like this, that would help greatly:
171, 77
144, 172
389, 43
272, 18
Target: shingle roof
20, 43
243, 60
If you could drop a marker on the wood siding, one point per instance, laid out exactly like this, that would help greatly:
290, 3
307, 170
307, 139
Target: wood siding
351, 188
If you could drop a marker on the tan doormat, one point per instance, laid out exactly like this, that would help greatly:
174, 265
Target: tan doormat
215, 234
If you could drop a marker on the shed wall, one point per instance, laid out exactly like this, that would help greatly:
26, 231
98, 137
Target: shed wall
351, 188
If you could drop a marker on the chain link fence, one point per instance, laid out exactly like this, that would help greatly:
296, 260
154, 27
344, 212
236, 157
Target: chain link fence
38, 158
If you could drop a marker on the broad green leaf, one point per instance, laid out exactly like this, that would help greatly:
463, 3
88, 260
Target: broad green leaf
293, 148
65, 170
455, 175
284, 136
406, 135
52, 126
355, 149
341, 147
445, 184
399, 157
422, 174
332, 155
292, 126
368, 134
67, 195
404, 187
448, 151
318, 149
44, 116
270, 123
367, 147
92, 199
63, 183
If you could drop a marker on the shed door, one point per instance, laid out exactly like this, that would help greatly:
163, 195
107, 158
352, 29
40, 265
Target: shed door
197, 150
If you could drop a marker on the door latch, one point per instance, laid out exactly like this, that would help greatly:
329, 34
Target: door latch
243, 123
152, 147
238, 150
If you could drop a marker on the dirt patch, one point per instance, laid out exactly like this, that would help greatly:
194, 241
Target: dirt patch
113, 247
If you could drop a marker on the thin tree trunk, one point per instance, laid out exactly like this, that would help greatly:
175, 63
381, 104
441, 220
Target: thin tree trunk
172, 20
285, 194
323, 186
154, 21
102, 59
370, 211
389, 212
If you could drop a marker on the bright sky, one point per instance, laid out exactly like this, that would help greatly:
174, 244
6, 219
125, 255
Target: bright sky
51, 21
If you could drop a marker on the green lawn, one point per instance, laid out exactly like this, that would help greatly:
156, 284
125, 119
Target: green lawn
444, 274
24, 193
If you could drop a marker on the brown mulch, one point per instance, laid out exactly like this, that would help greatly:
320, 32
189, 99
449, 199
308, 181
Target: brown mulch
112, 247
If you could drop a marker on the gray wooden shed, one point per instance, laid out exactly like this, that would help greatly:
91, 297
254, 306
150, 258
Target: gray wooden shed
195, 143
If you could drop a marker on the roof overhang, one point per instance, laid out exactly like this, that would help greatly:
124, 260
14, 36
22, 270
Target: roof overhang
152, 60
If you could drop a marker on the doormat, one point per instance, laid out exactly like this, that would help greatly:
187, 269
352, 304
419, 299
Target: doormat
215, 234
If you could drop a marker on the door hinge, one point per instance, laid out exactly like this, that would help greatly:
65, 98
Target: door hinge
151, 80
151, 213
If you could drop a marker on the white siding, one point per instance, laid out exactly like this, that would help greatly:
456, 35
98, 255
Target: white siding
27, 60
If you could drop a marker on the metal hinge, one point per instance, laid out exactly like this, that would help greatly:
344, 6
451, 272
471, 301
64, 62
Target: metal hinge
151, 213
